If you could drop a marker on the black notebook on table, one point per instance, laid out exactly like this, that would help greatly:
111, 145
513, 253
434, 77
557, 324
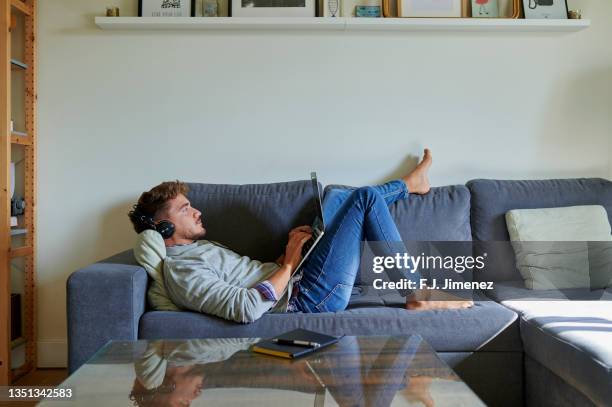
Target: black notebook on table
294, 344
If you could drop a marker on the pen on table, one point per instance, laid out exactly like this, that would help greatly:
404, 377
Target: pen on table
296, 342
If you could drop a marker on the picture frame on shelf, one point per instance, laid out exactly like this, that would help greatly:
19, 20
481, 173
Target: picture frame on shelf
546, 9
222, 8
430, 8
389, 8
273, 8
485, 9
166, 8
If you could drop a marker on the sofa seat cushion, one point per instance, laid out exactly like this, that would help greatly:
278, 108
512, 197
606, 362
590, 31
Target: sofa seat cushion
487, 325
570, 337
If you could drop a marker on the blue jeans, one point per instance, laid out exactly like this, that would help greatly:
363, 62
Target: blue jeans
351, 216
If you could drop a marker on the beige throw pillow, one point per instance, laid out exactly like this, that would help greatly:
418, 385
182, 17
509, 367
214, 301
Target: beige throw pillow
150, 253
559, 248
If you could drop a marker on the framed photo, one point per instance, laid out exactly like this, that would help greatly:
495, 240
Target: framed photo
273, 8
485, 9
166, 8
429, 8
554, 9
203, 8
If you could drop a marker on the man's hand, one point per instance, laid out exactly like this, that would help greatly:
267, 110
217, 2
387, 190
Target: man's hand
291, 258
281, 259
304, 228
293, 251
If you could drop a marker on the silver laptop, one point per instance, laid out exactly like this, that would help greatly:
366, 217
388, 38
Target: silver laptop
318, 225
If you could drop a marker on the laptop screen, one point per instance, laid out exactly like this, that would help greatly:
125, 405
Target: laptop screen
318, 222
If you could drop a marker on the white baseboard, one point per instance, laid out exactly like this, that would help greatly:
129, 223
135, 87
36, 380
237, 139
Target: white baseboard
53, 353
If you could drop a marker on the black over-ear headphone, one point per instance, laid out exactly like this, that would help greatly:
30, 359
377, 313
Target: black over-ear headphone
164, 227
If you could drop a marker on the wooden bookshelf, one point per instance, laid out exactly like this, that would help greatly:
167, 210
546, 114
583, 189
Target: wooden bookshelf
22, 6
18, 242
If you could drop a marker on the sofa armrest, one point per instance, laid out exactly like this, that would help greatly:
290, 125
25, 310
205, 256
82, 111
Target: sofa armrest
104, 302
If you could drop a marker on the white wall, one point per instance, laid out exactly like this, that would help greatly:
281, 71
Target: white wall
121, 111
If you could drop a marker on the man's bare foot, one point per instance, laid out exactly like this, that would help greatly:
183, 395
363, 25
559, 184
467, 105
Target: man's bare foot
436, 300
417, 181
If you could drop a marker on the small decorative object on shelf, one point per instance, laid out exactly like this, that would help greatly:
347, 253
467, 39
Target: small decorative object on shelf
574, 14
367, 11
349, 7
112, 12
331, 8
166, 8
17, 206
429, 8
273, 8
485, 8
210, 8
552, 9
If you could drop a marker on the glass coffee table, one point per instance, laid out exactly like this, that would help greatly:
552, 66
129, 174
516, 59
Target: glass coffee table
357, 371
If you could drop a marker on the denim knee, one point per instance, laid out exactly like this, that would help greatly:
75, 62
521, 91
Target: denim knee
366, 192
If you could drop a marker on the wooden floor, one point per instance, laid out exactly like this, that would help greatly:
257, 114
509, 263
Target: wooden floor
43, 377
40, 377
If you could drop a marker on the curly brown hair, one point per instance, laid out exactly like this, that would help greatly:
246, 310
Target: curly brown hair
152, 202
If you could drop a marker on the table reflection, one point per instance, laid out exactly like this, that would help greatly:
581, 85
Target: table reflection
357, 371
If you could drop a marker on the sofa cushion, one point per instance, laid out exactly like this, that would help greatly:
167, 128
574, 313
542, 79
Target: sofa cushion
487, 325
571, 338
552, 245
150, 253
254, 219
441, 215
568, 224
491, 199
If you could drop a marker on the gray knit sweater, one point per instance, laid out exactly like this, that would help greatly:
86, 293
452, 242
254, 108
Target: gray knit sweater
208, 277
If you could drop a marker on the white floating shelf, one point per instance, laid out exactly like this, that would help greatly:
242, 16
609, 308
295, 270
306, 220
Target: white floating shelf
466, 24
339, 24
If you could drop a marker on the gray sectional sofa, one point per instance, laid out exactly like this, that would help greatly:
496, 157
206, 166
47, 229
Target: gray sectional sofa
511, 348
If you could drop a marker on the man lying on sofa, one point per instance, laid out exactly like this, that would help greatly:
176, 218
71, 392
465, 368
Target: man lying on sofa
207, 277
